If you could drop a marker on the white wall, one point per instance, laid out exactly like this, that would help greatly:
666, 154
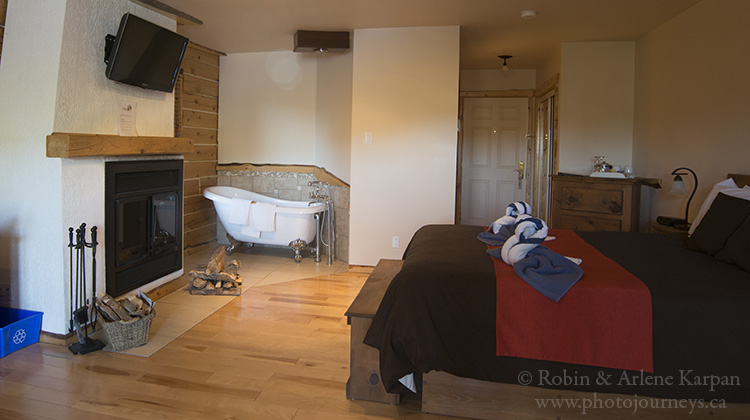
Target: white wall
596, 104
30, 211
267, 108
691, 105
52, 79
333, 125
286, 108
405, 92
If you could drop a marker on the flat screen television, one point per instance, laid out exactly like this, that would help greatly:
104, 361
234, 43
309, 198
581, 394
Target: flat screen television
144, 54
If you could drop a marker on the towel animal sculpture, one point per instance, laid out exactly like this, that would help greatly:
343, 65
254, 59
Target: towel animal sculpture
529, 233
546, 271
511, 214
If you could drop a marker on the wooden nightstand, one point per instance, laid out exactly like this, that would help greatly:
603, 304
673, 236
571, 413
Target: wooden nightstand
587, 203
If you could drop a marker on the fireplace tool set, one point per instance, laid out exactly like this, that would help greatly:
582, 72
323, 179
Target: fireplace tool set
82, 310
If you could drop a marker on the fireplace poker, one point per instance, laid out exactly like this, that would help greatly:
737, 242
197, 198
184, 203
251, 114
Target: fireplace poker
70, 252
94, 313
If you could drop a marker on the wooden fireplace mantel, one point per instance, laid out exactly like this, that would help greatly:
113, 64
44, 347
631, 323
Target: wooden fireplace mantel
68, 145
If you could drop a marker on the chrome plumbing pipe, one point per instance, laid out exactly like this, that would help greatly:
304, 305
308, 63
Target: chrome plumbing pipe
322, 194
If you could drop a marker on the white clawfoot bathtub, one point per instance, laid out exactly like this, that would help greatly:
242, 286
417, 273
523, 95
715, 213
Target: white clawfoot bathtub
294, 219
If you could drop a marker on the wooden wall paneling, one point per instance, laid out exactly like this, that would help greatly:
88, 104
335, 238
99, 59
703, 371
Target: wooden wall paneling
203, 54
199, 169
199, 119
3, 8
200, 218
191, 187
195, 66
200, 103
200, 136
202, 153
201, 86
196, 116
201, 237
195, 204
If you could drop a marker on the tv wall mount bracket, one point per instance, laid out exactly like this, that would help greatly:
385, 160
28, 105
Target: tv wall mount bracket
109, 43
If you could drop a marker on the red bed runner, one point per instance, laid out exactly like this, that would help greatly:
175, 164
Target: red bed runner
603, 320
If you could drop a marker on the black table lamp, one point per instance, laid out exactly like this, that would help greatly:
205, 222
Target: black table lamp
678, 187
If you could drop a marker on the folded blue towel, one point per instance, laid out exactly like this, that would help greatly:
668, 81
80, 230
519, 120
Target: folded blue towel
548, 272
499, 238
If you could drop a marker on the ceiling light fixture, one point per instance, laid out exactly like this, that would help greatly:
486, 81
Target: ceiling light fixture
528, 14
505, 61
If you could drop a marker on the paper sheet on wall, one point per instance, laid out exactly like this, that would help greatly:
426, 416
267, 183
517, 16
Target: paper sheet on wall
126, 120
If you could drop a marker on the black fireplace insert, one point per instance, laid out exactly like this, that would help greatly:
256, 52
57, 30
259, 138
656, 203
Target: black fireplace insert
143, 222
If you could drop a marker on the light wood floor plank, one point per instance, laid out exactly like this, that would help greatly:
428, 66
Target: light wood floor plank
278, 351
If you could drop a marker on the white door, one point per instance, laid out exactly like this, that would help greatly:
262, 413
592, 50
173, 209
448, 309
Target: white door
494, 144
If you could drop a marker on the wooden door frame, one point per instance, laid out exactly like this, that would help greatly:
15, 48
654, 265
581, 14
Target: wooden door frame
548, 90
530, 94
551, 88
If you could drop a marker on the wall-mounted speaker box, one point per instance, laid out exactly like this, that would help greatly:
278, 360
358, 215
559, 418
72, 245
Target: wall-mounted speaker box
321, 41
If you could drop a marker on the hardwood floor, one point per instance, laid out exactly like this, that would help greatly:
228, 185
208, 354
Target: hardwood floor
278, 351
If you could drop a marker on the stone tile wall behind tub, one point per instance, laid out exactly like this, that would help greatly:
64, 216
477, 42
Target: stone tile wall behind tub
291, 186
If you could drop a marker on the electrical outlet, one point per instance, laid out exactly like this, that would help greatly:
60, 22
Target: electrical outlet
368, 138
396, 242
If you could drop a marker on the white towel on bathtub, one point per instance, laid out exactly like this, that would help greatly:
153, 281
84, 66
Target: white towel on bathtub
250, 231
264, 216
239, 211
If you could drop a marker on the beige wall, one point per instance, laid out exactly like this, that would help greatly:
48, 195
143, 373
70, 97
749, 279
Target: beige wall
691, 105
286, 108
405, 92
333, 124
479, 80
596, 104
267, 108
550, 68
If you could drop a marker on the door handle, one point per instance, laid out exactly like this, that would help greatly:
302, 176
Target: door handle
520, 173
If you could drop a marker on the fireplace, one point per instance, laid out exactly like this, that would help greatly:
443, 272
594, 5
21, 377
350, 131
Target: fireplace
143, 222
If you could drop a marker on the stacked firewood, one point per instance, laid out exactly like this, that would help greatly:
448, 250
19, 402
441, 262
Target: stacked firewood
126, 309
216, 277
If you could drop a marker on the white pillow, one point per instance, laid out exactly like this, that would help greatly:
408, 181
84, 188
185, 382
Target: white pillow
728, 187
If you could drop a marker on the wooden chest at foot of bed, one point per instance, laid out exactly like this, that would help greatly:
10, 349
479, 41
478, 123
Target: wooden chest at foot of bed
364, 363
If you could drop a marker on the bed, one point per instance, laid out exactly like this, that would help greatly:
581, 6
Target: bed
438, 319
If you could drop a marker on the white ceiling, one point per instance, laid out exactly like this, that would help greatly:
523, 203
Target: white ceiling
488, 27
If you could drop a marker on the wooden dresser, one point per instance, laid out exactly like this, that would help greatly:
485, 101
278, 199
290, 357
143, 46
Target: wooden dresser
587, 203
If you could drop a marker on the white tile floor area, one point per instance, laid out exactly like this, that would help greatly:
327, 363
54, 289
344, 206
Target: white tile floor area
179, 311
262, 265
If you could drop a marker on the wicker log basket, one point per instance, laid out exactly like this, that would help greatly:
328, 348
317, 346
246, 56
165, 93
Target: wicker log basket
125, 322
123, 335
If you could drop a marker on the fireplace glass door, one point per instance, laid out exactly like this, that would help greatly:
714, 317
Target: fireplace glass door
143, 226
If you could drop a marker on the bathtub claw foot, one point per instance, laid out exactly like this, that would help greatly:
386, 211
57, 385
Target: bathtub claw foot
234, 243
298, 245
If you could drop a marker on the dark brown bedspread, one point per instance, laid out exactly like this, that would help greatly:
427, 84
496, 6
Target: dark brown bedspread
439, 313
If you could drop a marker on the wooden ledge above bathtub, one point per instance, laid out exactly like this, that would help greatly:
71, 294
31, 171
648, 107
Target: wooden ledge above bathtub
68, 145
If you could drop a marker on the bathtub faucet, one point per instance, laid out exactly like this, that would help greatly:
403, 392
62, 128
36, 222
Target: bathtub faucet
321, 193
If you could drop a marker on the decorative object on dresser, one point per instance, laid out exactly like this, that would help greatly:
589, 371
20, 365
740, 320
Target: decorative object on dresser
678, 188
586, 203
